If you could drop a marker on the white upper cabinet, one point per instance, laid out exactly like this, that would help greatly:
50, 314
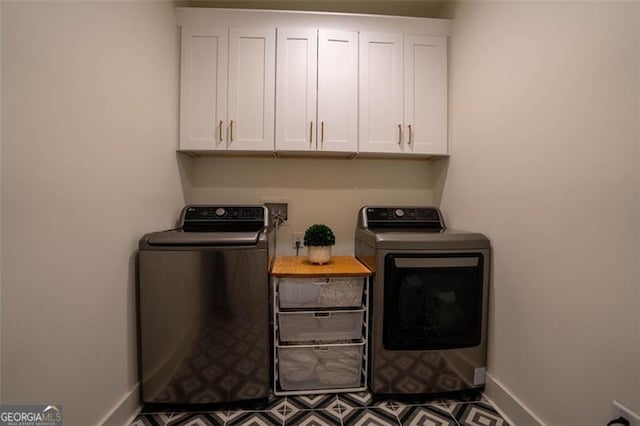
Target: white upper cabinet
338, 91
282, 82
227, 89
252, 55
425, 94
203, 88
317, 93
403, 94
381, 73
296, 84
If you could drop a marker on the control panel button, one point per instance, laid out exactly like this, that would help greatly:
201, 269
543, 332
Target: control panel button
220, 212
399, 213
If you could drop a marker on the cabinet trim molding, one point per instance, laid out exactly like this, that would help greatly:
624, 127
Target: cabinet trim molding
301, 19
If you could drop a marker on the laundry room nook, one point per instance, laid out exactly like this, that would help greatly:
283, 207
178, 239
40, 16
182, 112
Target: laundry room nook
470, 170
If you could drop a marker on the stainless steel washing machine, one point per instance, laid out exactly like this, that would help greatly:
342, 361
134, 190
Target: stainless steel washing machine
203, 307
429, 301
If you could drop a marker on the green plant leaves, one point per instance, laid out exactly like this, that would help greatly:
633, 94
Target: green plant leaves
319, 235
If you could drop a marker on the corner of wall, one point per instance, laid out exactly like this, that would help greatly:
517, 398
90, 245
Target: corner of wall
185, 169
511, 407
446, 9
439, 170
125, 410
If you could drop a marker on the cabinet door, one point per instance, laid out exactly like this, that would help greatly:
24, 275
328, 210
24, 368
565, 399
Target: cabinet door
252, 55
381, 93
338, 91
296, 90
203, 88
425, 94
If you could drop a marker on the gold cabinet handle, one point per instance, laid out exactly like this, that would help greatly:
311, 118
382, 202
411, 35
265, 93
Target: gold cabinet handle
311, 132
220, 131
322, 132
231, 130
410, 134
399, 134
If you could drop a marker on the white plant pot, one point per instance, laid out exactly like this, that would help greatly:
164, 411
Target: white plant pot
319, 254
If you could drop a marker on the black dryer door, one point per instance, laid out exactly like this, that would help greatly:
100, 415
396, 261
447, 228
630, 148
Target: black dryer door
432, 301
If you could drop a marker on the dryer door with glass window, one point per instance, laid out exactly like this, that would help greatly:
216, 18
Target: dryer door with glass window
432, 301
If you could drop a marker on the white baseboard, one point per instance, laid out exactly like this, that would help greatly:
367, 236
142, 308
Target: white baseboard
125, 410
514, 411
620, 410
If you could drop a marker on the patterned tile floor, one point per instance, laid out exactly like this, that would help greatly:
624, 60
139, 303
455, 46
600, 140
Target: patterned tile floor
357, 409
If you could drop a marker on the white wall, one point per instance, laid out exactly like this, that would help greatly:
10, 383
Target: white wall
89, 131
637, 404
329, 191
544, 140
0, 205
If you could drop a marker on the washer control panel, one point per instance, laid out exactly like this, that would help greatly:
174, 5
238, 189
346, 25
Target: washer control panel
415, 214
223, 213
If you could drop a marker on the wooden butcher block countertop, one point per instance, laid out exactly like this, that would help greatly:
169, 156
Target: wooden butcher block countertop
300, 267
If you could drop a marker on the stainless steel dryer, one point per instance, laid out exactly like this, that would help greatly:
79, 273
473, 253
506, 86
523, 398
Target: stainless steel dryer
203, 298
429, 308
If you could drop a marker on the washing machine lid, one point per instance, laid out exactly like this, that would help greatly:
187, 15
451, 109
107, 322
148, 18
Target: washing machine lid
181, 238
203, 225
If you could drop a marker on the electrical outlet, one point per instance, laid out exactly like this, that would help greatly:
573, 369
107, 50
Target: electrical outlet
298, 238
277, 209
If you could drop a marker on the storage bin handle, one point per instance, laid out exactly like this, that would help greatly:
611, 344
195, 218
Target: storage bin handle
321, 281
321, 314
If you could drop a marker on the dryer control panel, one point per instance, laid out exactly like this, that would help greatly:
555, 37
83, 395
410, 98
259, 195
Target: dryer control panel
396, 217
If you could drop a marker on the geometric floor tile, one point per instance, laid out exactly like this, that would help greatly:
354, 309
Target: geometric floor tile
255, 418
448, 406
219, 417
359, 399
352, 401
157, 419
312, 402
456, 398
338, 410
282, 410
423, 415
370, 417
478, 414
196, 419
391, 407
313, 418
343, 409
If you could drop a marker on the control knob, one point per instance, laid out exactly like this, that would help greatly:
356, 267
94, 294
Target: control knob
399, 213
220, 212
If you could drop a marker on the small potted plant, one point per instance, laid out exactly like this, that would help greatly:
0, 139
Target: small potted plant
319, 239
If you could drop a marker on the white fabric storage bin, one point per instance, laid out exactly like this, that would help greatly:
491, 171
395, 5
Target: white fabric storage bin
320, 326
320, 367
320, 292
